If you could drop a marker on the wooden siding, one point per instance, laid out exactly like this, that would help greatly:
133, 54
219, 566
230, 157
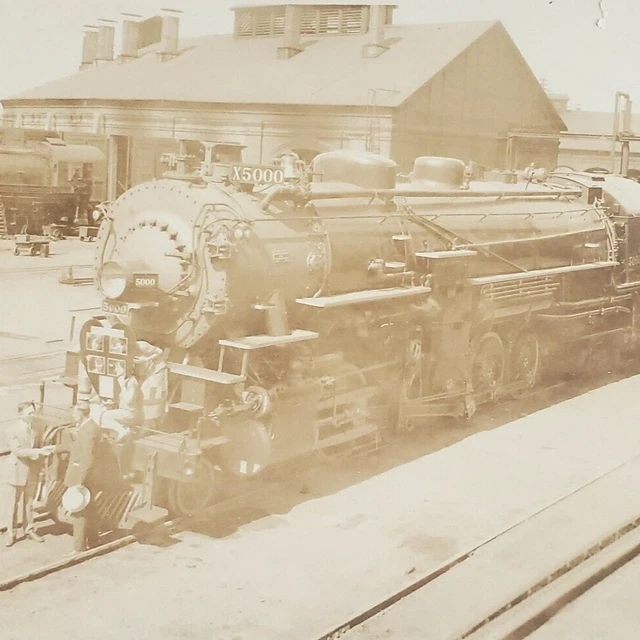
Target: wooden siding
468, 109
145, 158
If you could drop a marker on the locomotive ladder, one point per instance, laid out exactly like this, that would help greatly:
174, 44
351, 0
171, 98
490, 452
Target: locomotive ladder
4, 232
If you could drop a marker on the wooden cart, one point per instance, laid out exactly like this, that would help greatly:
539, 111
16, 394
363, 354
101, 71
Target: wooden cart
88, 233
33, 245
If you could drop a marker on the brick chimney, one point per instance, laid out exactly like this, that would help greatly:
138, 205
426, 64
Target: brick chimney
129, 47
377, 21
89, 46
170, 31
291, 43
106, 39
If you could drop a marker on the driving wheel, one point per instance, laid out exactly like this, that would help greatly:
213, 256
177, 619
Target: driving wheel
487, 365
189, 498
525, 362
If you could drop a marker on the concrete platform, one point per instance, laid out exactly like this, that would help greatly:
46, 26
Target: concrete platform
296, 572
499, 572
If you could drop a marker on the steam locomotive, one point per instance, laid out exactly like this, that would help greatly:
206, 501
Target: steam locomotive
263, 314
45, 183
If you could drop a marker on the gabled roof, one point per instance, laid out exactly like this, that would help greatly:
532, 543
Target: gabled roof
224, 69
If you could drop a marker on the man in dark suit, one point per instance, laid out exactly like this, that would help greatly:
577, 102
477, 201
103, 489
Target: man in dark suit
25, 463
83, 470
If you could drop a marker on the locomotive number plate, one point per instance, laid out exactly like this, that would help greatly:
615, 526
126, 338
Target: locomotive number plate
145, 280
256, 174
115, 308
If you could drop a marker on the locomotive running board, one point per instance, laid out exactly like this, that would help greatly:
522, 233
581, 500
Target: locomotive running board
200, 373
249, 343
523, 275
361, 297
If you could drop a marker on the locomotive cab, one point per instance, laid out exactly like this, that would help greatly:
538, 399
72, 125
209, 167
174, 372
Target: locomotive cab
620, 200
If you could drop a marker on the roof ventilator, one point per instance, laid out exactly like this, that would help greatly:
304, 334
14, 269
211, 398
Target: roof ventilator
377, 22
106, 37
292, 21
169, 38
89, 46
130, 29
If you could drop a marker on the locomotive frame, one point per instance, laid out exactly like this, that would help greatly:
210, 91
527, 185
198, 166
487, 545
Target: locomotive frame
442, 330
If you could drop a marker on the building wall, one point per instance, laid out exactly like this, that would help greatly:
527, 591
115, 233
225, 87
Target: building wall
467, 110
265, 132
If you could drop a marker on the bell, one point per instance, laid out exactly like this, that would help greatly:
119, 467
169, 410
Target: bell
289, 162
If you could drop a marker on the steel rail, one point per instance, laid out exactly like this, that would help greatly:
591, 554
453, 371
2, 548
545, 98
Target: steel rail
393, 598
43, 268
566, 584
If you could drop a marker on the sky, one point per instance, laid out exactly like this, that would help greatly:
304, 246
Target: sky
587, 49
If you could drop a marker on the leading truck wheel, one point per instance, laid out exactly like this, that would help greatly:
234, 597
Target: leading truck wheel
487, 365
189, 498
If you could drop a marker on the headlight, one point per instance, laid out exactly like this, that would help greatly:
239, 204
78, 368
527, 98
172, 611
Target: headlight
113, 280
189, 465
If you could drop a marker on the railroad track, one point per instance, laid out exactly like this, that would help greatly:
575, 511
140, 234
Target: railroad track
530, 610
31, 368
525, 612
40, 269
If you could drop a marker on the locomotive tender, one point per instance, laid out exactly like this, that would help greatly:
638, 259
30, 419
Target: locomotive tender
265, 322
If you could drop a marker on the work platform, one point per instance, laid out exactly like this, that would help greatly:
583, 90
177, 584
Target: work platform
513, 502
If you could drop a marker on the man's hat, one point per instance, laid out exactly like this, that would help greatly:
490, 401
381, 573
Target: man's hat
76, 498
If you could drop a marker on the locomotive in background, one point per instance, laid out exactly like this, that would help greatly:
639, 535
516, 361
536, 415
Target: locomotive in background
265, 314
46, 183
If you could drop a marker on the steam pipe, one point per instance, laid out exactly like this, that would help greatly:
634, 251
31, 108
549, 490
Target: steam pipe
296, 192
285, 192
616, 124
626, 128
419, 193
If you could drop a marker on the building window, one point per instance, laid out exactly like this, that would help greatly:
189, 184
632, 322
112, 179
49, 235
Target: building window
351, 20
262, 24
309, 22
330, 20
244, 23
260, 21
315, 20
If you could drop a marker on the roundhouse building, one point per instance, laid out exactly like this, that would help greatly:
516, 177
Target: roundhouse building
307, 78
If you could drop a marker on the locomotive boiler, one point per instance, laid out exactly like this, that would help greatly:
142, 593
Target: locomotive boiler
270, 314
45, 183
